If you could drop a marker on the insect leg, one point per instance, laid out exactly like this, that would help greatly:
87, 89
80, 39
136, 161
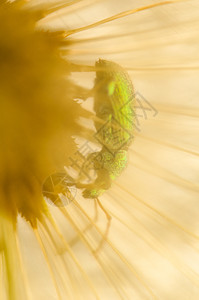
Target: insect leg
108, 224
82, 93
58, 184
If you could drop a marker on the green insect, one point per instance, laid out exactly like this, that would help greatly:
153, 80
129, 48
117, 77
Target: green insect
114, 103
114, 107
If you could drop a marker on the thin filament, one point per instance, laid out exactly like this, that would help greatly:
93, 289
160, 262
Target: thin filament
118, 16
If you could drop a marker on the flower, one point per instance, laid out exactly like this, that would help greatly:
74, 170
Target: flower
149, 250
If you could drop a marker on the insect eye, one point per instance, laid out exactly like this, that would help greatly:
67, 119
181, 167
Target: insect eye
111, 88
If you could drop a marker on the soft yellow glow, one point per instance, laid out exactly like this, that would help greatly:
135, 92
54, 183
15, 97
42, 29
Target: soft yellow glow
151, 248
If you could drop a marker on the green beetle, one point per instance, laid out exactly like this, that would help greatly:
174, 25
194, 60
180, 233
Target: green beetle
114, 103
